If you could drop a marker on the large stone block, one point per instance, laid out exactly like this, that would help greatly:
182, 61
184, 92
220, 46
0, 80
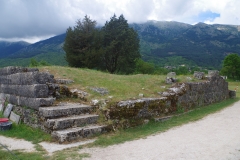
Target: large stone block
8, 110
27, 78
33, 91
65, 110
12, 70
34, 103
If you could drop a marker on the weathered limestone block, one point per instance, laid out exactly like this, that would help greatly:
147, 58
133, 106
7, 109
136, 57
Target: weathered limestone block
27, 78
198, 75
140, 108
170, 80
12, 70
8, 110
53, 90
33, 103
14, 117
33, 91
77, 133
79, 94
64, 81
65, 110
101, 91
68, 122
212, 73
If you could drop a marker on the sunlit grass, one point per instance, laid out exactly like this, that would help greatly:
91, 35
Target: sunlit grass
121, 87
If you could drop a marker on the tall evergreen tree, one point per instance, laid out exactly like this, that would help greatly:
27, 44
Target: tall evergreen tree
120, 46
81, 42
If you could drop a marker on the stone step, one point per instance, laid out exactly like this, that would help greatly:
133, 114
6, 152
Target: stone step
70, 122
68, 109
73, 134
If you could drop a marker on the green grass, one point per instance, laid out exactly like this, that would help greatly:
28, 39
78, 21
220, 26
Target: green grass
23, 131
121, 87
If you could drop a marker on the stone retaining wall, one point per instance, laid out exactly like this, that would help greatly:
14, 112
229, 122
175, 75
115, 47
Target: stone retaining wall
27, 87
179, 98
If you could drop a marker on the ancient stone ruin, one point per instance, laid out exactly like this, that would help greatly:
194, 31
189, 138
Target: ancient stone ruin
33, 93
181, 97
171, 78
198, 75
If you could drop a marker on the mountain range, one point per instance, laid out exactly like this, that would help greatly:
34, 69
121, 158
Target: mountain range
161, 42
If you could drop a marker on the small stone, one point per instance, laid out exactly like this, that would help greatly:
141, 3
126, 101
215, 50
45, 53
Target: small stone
1, 107
170, 80
198, 75
95, 101
189, 78
141, 95
8, 110
102, 91
146, 121
14, 117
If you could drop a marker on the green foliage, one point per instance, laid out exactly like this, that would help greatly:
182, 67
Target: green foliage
27, 133
81, 42
121, 46
35, 63
144, 67
113, 48
182, 70
231, 66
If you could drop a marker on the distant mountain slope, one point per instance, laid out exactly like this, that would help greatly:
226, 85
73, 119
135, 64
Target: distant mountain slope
53, 44
7, 48
201, 44
204, 44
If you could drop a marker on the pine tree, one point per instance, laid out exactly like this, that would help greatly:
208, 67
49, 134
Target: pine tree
80, 43
121, 46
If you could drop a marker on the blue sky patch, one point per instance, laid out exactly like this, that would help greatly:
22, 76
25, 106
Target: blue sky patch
206, 16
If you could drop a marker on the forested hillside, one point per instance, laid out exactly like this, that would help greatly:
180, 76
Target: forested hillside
163, 43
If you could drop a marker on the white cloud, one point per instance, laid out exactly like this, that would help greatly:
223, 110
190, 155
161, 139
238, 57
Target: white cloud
36, 18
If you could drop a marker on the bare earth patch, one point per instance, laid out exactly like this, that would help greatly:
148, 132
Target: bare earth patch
215, 137
17, 144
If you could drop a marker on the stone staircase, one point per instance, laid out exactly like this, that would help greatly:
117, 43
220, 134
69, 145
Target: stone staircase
70, 122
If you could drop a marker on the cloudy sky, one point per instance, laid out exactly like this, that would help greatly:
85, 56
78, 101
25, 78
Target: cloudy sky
34, 20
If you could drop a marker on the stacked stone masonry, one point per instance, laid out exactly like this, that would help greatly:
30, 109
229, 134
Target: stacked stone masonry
33, 93
26, 87
181, 97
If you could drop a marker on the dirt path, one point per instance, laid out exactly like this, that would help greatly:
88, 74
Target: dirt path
215, 137
16, 144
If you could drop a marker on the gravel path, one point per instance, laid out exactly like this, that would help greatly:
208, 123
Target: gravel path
215, 137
